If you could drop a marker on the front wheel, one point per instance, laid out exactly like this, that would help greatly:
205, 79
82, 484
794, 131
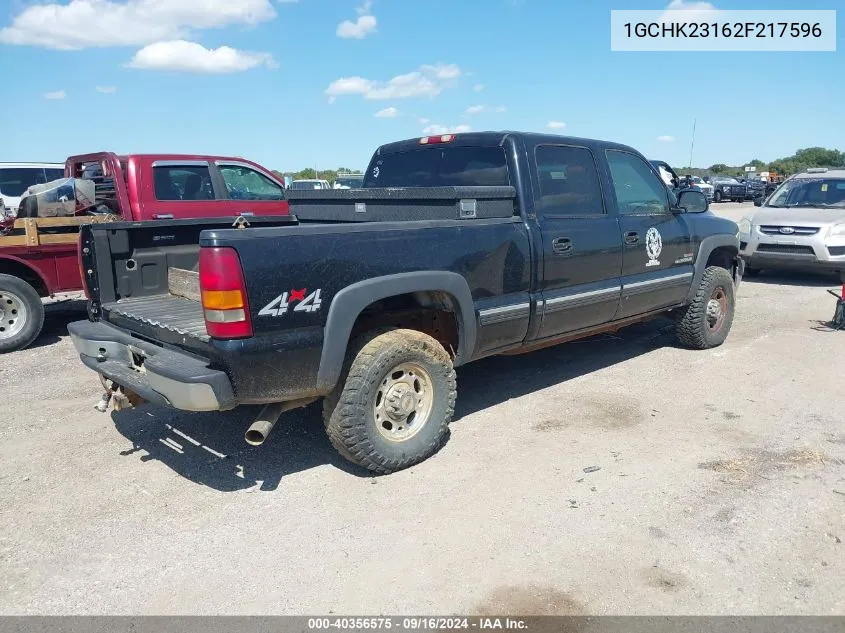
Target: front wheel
21, 314
394, 407
706, 321
717, 197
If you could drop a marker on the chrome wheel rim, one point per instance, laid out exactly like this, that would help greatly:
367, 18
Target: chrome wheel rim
12, 314
403, 402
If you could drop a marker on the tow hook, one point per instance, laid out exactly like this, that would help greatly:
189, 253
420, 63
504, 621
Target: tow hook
267, 418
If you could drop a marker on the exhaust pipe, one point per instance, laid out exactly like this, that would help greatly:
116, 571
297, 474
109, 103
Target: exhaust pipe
258, 431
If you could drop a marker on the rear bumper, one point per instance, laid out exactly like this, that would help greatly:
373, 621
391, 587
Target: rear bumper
163, 376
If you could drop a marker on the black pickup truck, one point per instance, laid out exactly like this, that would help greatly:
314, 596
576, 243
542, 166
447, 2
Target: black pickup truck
456, 248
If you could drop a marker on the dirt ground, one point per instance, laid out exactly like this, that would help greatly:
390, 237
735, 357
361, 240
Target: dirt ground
719, 488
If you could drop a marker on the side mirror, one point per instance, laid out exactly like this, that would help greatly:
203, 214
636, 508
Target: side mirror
692, 201
758, 201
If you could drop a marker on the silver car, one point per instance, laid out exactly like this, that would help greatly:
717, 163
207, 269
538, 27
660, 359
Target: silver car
800, 226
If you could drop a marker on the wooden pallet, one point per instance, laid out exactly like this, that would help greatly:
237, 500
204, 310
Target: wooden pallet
26, 230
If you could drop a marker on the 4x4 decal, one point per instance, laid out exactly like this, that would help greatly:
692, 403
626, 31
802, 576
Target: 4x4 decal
285, 301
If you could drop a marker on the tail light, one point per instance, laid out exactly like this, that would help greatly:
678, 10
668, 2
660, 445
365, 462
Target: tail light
223, 292
442, 138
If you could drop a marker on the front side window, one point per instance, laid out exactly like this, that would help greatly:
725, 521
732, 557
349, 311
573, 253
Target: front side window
244, 183
638, 190
569, 181
183, 183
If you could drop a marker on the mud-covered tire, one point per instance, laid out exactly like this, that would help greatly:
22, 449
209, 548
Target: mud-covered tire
356, 409
701, 325
21, 314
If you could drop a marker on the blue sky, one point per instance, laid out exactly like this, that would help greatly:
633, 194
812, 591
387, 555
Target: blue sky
298, 83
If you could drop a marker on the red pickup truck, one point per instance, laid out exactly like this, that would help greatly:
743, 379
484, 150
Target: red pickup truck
38, 256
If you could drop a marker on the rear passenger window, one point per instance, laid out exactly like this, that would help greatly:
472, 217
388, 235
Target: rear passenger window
183, 183
569, 181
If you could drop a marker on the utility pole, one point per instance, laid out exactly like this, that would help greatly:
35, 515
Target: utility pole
693, 142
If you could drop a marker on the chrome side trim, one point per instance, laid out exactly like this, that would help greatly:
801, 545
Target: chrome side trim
504, 313
180, 163
658, 281
580, 298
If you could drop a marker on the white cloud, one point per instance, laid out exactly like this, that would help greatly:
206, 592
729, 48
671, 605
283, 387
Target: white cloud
101, 23
428, 81
387, 113
443, 72
500, 109
476, 109
435, 129
478, 87
361, 27
555, 125
694, 10
425, 121
666, 139
185, 56
107, 90
56, 95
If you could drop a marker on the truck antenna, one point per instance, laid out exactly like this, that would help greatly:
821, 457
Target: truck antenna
693, 142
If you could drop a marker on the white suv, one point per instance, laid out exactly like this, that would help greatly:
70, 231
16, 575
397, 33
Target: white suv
15, 178
800, 226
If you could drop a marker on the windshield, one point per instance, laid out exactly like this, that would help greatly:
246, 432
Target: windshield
439, 167
353, 182
305, 184
15, 180
810, 192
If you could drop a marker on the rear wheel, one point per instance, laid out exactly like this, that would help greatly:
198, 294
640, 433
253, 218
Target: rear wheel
394, 407
21, 314
707, 320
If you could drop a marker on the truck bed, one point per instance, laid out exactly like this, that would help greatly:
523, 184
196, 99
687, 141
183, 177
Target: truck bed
174, 314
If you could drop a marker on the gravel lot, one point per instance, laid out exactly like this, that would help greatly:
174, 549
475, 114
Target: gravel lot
721, 487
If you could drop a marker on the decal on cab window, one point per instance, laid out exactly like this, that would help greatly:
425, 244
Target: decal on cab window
294, 301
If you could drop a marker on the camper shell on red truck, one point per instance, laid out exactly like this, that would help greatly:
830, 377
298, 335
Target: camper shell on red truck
38, 256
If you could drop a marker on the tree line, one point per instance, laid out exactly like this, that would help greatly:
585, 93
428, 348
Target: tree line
310, 173
799, 161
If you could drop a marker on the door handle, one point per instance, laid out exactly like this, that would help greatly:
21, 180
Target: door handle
561, 245
632, 237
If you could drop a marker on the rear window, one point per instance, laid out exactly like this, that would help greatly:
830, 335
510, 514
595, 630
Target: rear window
439, 167
15, 180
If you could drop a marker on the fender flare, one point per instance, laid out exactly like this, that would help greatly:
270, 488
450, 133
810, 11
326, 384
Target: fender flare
707, 246
351, 301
